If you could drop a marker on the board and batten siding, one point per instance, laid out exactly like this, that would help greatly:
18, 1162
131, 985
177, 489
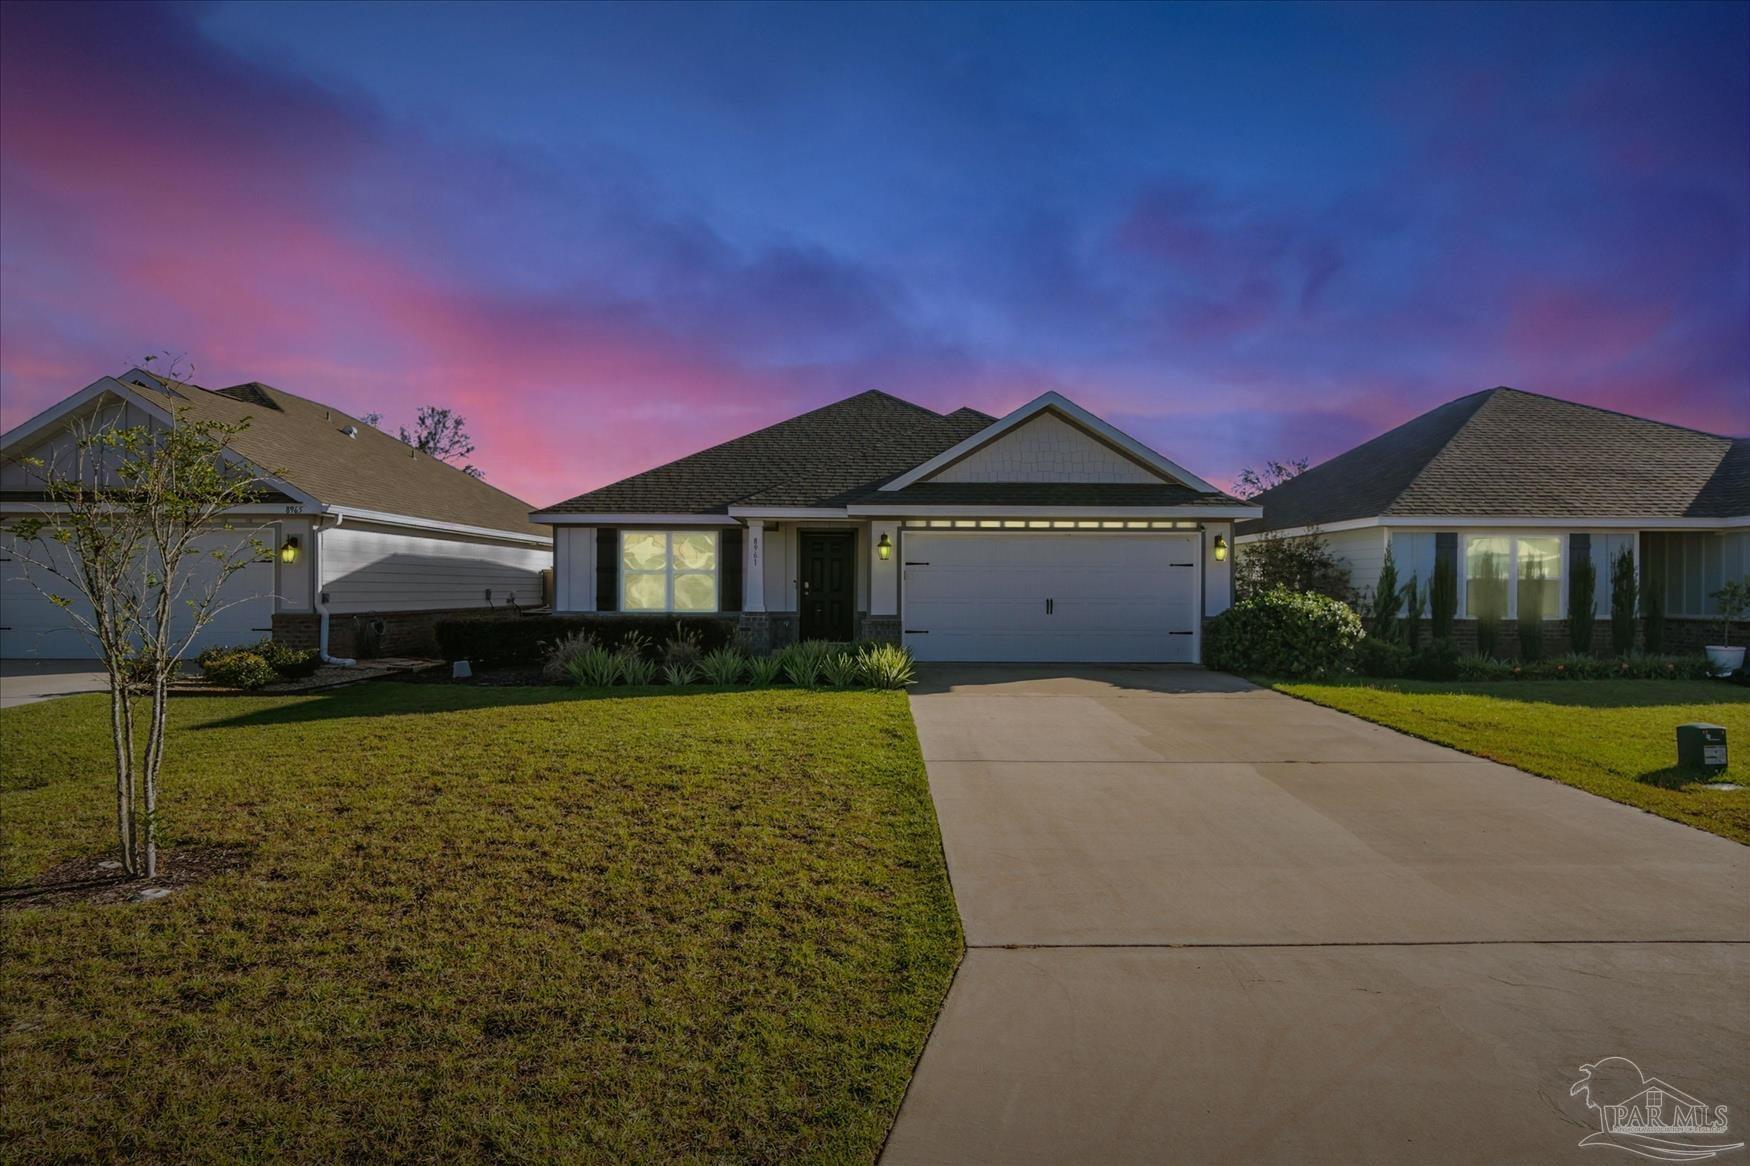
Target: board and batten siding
377, 568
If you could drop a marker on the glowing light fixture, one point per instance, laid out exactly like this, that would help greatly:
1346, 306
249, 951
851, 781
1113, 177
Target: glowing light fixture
1220, 548
884, 548
289, 549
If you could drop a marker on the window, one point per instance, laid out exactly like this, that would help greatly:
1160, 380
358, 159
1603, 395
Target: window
1486, 563
1690, 566
668, 570
1540, 577
1413, 555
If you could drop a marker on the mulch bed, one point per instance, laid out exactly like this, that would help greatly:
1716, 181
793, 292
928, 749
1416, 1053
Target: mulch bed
483, 677
87, 880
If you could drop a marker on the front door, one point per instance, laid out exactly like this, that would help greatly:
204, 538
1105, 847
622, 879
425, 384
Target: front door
829, 588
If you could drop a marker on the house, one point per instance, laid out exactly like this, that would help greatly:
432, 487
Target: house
1529, 485
1046, 535
373, 540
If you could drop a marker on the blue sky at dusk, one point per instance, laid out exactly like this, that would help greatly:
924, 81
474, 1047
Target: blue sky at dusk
611, 235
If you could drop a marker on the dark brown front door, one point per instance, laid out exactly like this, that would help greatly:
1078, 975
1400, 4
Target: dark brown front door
829, 588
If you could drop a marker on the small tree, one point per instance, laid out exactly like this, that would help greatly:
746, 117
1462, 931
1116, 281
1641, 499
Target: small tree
1253, 482
441, 432
1624, 597
1734, 601
1582, 604
1382, 616
1415, 599
1531, 614
1443, 600
114, 548
1299, 563
1489, 597
1653, 604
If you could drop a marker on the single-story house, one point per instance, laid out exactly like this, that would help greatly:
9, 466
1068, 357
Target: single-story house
1046, 535
373, 541
1530, 485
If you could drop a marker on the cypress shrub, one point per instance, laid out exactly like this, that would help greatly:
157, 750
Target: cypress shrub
1624, 598
1582, 606
1443, 601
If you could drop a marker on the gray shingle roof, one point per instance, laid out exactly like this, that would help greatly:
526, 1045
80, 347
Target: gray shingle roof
1511, 453
820, 458
1046, 494
301, 441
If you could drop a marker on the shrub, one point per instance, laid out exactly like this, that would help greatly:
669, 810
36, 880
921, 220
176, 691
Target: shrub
680, 674
1653, 604
1415, 599
1624, 597
1443, 600
1484, 668
1382, 616
593, 667
557, 668
1283, 633
1582, 605
763, 671
886, 666
803, 661
1383, 658
1436, 661
238, 669
1298, 563
1489, 597
841, 669
1734, 600
287, 662
529, 639
723, 666
633, 668
682, 647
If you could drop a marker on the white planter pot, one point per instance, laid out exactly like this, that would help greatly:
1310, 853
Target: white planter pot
1723, 661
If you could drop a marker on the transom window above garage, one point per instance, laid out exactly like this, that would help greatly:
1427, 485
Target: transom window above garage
669, 570
1044, 524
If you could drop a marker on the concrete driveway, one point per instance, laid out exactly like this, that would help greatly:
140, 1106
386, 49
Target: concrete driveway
28, 681
1210, 923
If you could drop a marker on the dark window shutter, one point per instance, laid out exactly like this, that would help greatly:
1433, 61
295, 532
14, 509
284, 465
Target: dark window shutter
729, 569
1579, 547
1446, 550
607, 569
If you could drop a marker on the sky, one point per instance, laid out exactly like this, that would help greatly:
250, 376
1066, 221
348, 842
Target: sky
611, 235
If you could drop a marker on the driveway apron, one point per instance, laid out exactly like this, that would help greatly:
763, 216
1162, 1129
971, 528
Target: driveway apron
1207, 922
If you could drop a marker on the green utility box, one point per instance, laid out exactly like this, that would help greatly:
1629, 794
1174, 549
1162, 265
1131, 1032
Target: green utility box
1702, 747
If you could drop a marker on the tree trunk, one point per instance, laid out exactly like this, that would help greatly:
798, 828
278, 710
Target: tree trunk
124, 778
154, 759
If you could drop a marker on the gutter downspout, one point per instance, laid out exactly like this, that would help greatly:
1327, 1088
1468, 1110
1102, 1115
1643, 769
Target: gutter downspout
322, 594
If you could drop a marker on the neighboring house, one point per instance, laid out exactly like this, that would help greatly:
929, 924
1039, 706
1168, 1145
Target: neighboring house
1047, 535
1533, 484
372, 540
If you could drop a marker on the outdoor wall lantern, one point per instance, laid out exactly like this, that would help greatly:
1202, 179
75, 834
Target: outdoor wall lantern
289, 549
1220, 549
884, 548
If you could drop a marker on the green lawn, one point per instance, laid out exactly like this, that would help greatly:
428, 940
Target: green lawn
513, 924
1614, 738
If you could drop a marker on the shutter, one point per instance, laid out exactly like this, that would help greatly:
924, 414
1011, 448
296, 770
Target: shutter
1579, 547
729, 569
607, 569
1446, 550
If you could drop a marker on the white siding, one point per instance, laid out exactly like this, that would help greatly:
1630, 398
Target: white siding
59, 450
1218, 578
574, 582
1605, 548
292, 584
1364, 551
374, 568
1046, 449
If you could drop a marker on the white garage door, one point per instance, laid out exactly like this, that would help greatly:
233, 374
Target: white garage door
33, 628
983, 595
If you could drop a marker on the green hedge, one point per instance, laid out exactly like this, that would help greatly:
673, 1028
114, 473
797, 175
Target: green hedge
528, 639
1283, 633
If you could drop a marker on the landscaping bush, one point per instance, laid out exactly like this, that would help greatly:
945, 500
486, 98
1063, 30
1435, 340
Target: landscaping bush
287, 663
682, 648
1283, 633
1382, 658
238, 669
1577, 667
1624, 595
680, 674
886, 666
1415, 600
530, 639
1652, 606
723, 666
1382, 614
802, 662
633, 667
1443, 600
593, 666
565, 653
1582, 605
1435, 661
763, 671
1298, 563
841, 669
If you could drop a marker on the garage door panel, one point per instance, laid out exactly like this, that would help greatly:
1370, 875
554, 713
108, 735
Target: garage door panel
982, 596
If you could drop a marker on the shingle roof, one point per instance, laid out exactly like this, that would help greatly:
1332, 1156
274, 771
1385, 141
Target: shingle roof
1510, 453
1046, 494
822, 458
301, 442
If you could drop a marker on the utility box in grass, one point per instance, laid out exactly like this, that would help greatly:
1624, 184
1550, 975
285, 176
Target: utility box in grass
1702, 747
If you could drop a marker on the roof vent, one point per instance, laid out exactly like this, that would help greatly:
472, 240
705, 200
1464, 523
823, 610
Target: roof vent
351, 431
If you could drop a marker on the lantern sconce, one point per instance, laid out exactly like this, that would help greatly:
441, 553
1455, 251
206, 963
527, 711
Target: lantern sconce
1220, 549
884, 548
289, 549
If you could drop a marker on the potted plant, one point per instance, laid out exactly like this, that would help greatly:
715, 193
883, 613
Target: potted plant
1734, 600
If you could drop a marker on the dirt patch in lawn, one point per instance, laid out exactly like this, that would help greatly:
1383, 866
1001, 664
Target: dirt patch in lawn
89, 880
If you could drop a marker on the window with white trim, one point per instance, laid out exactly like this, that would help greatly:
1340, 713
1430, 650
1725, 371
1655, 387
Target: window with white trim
668, 570
1512, 576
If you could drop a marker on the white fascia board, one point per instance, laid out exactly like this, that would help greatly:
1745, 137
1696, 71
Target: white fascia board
561, 518
254, 509
1507, 522
787, 512
1225, 513
110, 386
387, 519
1071, 411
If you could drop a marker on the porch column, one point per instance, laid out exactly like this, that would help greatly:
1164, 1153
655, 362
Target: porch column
753, 579
884, 573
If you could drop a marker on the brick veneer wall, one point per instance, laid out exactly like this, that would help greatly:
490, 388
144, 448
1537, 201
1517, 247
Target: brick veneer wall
405, 633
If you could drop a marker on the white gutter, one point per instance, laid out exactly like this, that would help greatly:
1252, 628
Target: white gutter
322, 595
1505, 522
